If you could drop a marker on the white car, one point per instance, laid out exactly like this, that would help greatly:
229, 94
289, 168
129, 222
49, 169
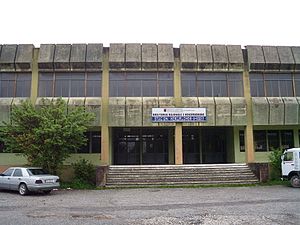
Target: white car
290, 165
24, 180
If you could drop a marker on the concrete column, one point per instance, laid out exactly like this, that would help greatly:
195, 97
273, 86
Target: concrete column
178, 103
34, 76
249, 142
105, 137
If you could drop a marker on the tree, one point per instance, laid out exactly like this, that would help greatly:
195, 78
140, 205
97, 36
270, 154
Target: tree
46, 134
275, 162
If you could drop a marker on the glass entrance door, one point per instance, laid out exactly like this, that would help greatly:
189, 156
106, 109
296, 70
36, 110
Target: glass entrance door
191, 146
213, 145
140, 146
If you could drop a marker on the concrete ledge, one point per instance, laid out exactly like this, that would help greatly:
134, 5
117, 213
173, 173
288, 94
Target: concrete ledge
7, 58
188, 57
260, 110
165, 57
46, 57
271, 58
286, 58
24, 58
116, 112
117, 56
256, 58
276, 111
291, 111
210, 105
205, 59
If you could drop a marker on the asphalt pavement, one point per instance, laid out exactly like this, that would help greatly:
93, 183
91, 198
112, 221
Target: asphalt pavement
155, 206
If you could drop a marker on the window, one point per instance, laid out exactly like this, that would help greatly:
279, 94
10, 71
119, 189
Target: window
93, 144
212, 84
288, 156
271, 85
273, 139
70, 84
146, 84
8, 172
279, 85
242, 141
257, 85
18, 173
260, 142
297, 84
15, 84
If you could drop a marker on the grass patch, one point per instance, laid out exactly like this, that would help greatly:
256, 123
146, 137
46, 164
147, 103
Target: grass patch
78, 185
276, 182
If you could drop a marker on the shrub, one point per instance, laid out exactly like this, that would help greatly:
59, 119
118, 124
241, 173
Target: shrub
275, 162
84, 171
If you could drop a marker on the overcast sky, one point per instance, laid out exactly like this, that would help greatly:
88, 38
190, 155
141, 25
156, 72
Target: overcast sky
243, 22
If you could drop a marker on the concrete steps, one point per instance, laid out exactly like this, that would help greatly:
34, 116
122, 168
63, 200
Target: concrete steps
179, 175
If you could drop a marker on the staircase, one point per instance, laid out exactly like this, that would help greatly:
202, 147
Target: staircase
179, 175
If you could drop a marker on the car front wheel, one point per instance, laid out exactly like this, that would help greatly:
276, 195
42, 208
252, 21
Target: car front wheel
295, 181
23, 190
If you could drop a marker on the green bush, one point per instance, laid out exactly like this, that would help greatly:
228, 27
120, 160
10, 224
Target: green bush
84, 172
275, 162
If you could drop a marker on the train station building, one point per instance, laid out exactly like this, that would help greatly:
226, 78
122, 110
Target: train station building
249, 99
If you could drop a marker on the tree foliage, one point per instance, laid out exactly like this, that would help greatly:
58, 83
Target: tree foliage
275, 162
46, 134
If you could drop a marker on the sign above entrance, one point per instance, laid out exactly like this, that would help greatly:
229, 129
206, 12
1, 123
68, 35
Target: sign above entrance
172, 115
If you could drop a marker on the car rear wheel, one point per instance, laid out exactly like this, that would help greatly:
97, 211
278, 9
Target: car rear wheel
295, 181
23, 190
47, 192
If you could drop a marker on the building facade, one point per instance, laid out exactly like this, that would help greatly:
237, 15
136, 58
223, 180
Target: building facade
251, 95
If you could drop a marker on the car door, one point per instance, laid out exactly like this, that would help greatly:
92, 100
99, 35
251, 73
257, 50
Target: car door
288, 163
15, 179
5, 179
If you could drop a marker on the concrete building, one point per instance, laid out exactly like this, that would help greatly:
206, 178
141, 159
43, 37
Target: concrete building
251, 95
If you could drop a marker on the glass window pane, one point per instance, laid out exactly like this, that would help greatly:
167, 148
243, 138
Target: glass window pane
219, 88
257, 85
117, 88
134, 88
7, 84
149, 88
23, 85
165, 76
62, 87
96, 142
235, 84
166, 88
260, 142
273, 139
46, 84
242, 141
287, 139
188, 84
297, 84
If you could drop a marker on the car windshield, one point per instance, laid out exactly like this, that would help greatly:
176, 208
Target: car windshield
33, 172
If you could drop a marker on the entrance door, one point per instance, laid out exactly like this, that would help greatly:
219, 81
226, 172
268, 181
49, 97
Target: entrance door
126, 147
213, 145
140, 146
190, 143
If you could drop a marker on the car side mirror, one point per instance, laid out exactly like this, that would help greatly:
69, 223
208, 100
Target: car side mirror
282, 157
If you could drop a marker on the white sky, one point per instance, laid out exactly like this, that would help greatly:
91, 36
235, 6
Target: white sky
244, 22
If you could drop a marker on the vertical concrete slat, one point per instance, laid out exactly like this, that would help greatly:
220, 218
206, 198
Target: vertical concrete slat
105, 138
178, 103
34, 76
249, 141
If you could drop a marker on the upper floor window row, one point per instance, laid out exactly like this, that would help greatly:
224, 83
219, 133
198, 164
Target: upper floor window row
15, 85
70, 84
212, 85
275, 85
141, 84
